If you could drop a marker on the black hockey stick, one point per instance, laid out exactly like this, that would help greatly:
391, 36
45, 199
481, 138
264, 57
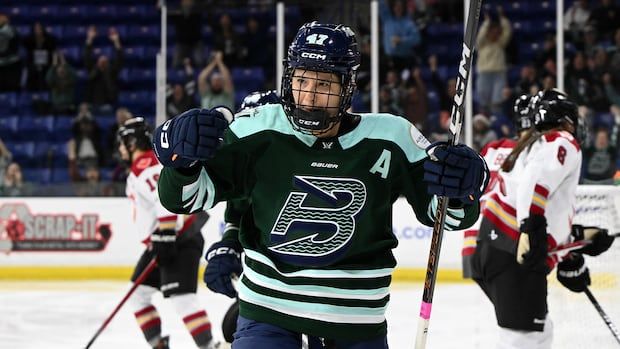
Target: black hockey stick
604, 316
145, 273
456, 122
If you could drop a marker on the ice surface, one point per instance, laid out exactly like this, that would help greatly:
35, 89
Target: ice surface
61, 315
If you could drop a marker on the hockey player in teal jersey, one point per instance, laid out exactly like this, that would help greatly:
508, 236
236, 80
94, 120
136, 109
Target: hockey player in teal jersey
317, 236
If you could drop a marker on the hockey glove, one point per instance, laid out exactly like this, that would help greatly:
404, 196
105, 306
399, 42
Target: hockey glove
573, 273
164, 246
532, 245
457, 172
223, 263
600, 239
190, 137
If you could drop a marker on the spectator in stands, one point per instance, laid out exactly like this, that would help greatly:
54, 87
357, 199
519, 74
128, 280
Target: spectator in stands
181, 96
13, 183
84, 149
10, 62
483, 133
576, 19
446, 90
178, 101
581, 86
5, 158
400, 34
528, 82
590, 41
613, 95
92, 185
393, 83
578, 79
216, 87
387, 104
255, 41
102, 84
547, 53
40, 47
84, 111
600, 159
548, 82
421, 13
227, 41
614, 57
187, 78
61, 80
415, 100
188, 34
585, 121
548, 69
491, 66
605, 18
599, 66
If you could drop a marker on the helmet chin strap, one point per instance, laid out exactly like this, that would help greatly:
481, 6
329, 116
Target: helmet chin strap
314, 120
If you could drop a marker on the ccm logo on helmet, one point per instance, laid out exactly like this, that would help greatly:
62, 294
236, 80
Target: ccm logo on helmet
313, 55
308, 122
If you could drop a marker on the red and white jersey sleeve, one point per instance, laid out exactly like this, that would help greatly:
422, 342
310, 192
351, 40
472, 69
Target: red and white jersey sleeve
495, 153
148, 213
548, 178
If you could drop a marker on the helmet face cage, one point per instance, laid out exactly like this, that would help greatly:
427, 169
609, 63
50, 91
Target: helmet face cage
309, 117
522, 113
319, 48
553, 109
135, 133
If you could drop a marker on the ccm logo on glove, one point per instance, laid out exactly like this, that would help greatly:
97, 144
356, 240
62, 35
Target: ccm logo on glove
164, 135
222, 251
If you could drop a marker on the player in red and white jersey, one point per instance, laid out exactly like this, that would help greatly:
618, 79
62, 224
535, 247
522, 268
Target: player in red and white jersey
527, 213
494, 153
175, 240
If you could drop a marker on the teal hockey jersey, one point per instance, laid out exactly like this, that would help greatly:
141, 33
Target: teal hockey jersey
317, 228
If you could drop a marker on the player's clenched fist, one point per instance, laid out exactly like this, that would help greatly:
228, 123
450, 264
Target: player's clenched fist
455, 171
190, 137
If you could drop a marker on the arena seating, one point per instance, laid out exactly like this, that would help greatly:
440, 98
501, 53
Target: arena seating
32, 137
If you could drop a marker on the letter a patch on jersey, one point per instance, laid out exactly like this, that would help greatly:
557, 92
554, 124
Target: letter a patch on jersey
317, 221
382, 165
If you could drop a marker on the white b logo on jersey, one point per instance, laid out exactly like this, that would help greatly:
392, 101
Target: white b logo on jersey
326, 228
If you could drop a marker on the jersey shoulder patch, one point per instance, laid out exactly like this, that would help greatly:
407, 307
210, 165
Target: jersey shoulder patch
143, 162
390, 128
555, 136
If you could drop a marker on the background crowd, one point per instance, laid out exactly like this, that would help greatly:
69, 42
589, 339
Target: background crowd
72, 73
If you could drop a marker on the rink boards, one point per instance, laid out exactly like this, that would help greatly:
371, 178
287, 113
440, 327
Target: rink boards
86, 238
94, 238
